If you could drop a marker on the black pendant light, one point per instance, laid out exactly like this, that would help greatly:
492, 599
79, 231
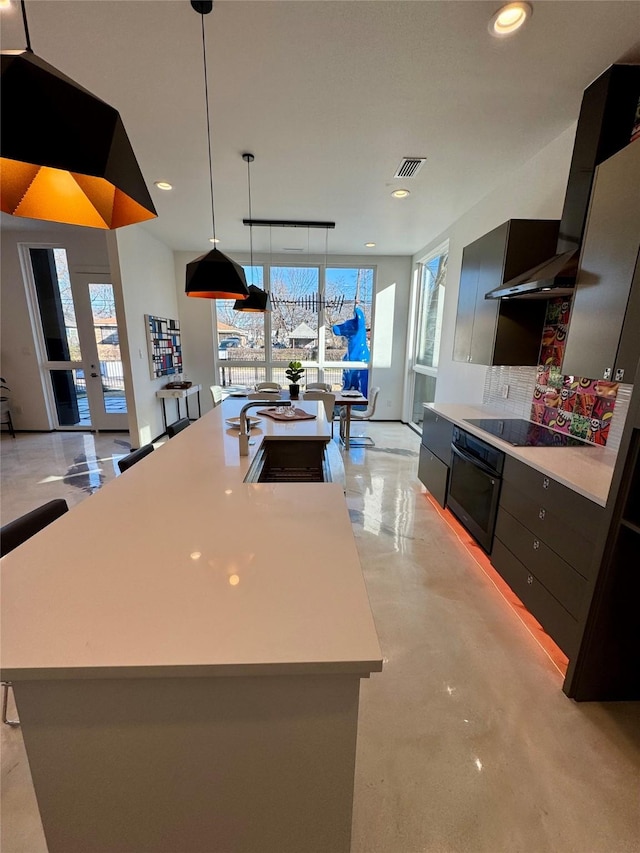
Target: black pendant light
65, 155
214, 275
258, 301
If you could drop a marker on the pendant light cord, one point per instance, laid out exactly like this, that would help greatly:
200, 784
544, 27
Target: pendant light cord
249, 158
26, 26
206, 97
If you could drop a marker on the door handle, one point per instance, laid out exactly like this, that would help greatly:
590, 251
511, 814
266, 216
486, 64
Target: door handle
95, 375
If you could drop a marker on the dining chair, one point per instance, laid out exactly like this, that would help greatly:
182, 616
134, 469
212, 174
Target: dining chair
367, 414
135, 456
177, 426
274, 385
258, 395
329, 401
216, 394
318, 386
14, 533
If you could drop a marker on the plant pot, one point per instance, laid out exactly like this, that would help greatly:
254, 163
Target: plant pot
294, 392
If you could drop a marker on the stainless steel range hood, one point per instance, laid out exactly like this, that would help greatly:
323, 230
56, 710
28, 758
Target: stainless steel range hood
604, 127
555, 277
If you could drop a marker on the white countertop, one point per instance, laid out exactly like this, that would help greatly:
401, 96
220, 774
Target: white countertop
177, 567
586, 470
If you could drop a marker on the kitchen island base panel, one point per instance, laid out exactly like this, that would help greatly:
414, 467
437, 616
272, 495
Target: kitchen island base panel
193, 764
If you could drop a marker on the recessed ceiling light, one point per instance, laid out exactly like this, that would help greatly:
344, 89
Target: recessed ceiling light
5, 4
163, 185
369, 245
213, 240
400, 193
509, 18
546, 288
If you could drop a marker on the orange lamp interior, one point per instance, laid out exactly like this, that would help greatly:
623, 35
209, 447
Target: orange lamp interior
41, 192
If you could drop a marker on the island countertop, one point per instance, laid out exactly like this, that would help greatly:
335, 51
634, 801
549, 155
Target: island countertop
586, 470
179, 568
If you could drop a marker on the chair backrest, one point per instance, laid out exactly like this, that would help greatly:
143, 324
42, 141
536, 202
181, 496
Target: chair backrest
371, 406
177, 426
16, 532
216, 394
329, 401
276, 385
135, 456
258, 395
318, 386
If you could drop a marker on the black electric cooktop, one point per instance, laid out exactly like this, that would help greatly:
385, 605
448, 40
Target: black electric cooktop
521, 433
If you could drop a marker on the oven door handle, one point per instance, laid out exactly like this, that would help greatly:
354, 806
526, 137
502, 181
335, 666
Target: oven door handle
473, 461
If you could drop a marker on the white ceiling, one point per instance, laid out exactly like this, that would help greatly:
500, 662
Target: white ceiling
329, 96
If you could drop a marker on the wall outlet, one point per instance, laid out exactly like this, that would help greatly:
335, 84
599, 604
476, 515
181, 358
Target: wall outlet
505, 391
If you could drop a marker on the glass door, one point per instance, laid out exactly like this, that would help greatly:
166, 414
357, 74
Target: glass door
80, 347
430, 307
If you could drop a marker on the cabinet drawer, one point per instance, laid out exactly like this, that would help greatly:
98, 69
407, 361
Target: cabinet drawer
557, 576
437, 433
556, 621
565, 532
555, 497
434, 474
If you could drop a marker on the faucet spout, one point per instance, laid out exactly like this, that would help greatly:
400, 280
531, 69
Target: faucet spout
245, 428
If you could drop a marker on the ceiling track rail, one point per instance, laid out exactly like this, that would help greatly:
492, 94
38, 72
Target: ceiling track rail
287, 223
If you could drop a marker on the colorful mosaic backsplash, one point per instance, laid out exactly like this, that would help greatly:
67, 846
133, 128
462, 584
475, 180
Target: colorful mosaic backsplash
569, 404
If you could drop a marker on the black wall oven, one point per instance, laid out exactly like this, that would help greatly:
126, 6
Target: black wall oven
474, 485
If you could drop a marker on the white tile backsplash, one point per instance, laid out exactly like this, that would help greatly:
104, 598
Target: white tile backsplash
521, 382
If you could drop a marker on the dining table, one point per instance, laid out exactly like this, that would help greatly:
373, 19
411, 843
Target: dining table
344, 399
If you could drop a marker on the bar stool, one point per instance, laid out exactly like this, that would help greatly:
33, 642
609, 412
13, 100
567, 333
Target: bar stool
135, 456
176, 427
15, 533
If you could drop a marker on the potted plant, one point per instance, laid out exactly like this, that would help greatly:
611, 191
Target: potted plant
294, 373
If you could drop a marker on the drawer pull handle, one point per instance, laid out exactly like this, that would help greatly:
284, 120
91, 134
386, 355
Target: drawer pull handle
536, 544
542, 513
529, 579
545, 483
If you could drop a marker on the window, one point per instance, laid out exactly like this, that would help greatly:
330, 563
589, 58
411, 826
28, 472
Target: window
432, 273
306, 303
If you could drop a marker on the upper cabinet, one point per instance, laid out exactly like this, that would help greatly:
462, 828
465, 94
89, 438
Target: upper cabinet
603, 341
506, 331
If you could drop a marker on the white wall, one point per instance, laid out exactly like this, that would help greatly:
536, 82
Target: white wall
86, 251
142, 267
536, 190
389, 328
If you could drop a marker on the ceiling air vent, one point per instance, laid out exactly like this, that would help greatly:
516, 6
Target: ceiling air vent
409, 167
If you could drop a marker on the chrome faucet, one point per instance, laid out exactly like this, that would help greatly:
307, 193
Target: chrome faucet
245, 423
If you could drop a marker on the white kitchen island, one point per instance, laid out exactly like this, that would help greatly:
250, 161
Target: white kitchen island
186, 651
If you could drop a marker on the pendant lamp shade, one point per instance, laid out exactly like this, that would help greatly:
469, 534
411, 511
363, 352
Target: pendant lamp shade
215, 276
258, 301
65, 155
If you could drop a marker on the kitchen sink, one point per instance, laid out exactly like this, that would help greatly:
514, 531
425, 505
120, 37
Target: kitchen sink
285, 461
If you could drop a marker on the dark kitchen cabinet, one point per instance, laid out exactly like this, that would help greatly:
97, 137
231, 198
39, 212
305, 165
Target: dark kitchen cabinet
544, 548
435, 455
603, 341
506, 331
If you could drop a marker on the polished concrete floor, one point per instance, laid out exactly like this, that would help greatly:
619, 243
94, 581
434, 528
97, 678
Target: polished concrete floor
466, 742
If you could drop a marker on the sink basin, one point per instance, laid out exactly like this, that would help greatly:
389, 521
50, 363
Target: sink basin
283, 461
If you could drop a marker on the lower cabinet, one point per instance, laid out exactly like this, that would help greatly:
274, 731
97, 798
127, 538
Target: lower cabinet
543, 548
434, 474
435, 455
